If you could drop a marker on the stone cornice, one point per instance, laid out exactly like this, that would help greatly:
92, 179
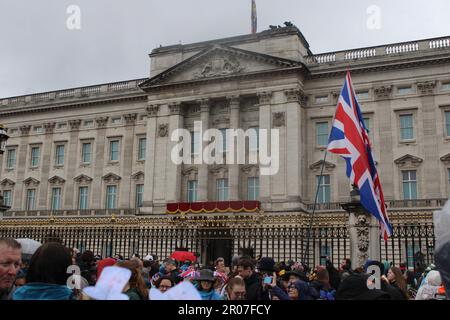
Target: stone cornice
408, 161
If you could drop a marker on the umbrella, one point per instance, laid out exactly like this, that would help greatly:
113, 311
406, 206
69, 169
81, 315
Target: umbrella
29, 246
183, 256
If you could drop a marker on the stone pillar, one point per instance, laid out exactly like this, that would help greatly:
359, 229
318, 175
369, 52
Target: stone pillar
265, 123
293, 145
173, 176
72, 165
97, 183
125, 184
152, 112
203, 167
233, 169
46, 163
18, 199
364, 238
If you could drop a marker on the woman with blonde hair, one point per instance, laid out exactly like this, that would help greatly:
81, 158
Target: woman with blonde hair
136, 288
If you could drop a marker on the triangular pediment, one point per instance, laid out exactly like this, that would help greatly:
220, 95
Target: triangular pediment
446, 159
31, 182
82, 178
111, 177
56, 180
138, 176
219, 61
408, 160
7, 183
318, 165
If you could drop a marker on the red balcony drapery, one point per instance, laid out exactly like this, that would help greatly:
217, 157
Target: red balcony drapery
211, 207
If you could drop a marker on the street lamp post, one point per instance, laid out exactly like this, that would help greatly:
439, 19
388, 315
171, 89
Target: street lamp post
3, 138
363, 230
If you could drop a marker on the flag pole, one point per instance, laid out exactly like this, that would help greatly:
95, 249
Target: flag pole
311, 218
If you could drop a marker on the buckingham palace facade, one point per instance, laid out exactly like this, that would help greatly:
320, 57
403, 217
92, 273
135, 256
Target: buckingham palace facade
92, 165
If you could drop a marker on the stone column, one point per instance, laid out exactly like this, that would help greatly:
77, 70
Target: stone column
97, 183
203, 167
430, 147
128, 140
294, 140
18, 199
72, 165
45, 164
233, 169
364, 238
152, 112
173, 176
265, 114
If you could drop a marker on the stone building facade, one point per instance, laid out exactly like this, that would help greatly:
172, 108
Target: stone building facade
101, 155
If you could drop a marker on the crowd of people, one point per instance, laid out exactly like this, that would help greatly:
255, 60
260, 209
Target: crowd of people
44, 276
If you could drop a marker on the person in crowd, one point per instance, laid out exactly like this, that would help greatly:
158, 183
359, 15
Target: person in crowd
88, 267
47, 276
411, 283
354, 287
205, 285
171, 270
345, 268
219, 265
235, 289
108, 262
322, 285
334, 276
20, 279
164, 283
297, 290
396, 280
385, 284
136, 288
10, 262
430, 288
253, 281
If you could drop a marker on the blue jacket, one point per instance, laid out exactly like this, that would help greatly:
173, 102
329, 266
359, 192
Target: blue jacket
211, 295
43, 291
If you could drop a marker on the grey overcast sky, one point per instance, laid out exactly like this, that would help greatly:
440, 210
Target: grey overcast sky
39, 53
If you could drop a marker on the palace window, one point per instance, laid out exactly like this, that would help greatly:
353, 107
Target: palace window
139, 195
7, 198
447, 123
142, 145
321, 99
59, 156
31, 199
405, 90
11, 158
223, 147
322, 134
222, 190
56, 199
253, 188
195, 143
409, 184
111, 197
324, 189
406, 127
192, 191
254, 139
86, 152
83, 198
114, 150
35, 154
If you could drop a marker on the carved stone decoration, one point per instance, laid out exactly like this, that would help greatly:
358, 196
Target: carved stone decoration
111, 177
138, 176
427, 87
446, 159
25, 130
408, 161
31, 182
335, 95
383, 92
7, 183
219, 66
204, 105
234, 102
279, 119
56, 180
75, 124
191, 173
101, 121
163, 130
317, 166
219, 171
152, 110
130, 118
294, 95
175, 108
82, 179
362, 231
251, 170
49, 127
264, 97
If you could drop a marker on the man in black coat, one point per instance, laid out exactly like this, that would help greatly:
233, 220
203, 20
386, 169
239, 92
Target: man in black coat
253, 282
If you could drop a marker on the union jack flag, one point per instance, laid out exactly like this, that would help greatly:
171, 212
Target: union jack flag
349, 139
